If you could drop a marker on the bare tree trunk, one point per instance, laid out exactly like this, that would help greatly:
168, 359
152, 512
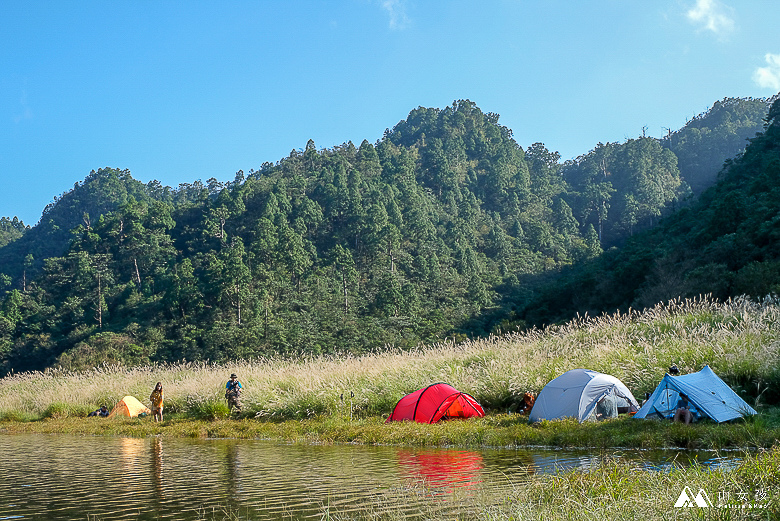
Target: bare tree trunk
137, 273
265, 322
346, 293
238, 305
100, 303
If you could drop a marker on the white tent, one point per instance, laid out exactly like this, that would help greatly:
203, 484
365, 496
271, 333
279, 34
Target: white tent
708, 396
583, 394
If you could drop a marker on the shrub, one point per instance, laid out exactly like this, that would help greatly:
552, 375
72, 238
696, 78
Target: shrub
59, 410
207, 409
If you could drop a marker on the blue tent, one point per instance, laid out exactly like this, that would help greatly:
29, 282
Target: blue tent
709, 396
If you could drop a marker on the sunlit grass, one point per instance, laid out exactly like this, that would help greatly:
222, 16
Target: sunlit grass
346, 399
739, 339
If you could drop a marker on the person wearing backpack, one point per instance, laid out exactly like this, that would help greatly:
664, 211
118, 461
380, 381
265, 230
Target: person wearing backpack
233, 393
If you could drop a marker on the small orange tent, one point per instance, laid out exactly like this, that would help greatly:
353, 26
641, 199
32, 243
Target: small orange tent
129, 406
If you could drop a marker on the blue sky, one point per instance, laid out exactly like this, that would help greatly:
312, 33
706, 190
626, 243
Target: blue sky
180, 91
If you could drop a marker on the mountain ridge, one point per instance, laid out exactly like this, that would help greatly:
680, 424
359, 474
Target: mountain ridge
445, 226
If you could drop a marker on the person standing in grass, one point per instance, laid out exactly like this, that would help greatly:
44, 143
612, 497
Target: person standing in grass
233, 393
156, 398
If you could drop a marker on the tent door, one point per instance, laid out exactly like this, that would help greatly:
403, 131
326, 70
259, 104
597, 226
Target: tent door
455, 410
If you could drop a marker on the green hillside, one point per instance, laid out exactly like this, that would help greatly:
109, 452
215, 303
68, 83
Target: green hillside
724, 244
444, 227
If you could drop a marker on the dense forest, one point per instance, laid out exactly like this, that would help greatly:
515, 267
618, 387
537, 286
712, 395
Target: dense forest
444, 227
725, 243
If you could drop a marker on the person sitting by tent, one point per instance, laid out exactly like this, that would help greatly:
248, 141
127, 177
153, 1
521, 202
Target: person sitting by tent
707, 395
100, 413
606, 408
233, 393
683, 412
527, 404
156, 398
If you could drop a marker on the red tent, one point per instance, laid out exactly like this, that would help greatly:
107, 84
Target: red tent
434, 403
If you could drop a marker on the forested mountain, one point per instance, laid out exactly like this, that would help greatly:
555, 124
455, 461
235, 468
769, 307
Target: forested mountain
727, 243
709, 139
95, 196
618, 188
445, 226
621, 188
11, 230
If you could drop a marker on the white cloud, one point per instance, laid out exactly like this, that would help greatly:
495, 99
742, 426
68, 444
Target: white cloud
396, 9
712, 15
769, 77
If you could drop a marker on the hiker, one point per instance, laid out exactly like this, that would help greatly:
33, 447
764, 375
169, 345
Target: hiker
233, 393
156, 398
683, 412
100, 413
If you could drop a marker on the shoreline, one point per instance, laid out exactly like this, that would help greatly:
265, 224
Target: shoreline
504, 431
302, 400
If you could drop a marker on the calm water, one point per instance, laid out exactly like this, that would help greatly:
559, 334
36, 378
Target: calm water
90, 478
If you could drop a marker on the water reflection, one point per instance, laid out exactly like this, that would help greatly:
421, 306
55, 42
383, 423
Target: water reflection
64, 477
232, 482
132, 450
441, 469
556, 461
157, 468
551, 463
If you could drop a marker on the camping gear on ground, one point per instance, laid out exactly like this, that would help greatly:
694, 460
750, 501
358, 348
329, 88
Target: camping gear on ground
434, 403
709, 396
585, 395
129, 406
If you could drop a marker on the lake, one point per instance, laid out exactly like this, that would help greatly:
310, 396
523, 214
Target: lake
100, 478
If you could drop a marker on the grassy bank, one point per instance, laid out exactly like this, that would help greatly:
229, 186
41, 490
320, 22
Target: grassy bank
345, 399
504, 430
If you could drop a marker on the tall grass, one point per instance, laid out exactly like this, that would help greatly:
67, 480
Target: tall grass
739, 339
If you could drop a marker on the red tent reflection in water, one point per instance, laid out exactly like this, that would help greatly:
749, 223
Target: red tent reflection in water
442, 469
